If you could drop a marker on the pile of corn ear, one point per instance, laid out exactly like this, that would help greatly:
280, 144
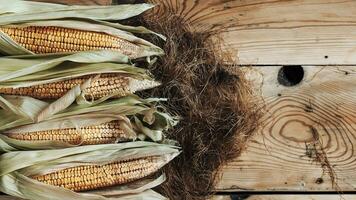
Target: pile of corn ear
71, 126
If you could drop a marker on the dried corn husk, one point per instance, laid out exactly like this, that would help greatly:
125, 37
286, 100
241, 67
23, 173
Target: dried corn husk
88, 18
23, 10
24, 72
16, 170
139, 117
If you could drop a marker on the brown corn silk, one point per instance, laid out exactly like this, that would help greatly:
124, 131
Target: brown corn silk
102, 86
100, 134
215, 102
89, 177
43, 39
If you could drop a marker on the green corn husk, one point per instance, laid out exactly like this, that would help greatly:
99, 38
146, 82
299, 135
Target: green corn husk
19, 114
89, 18
26, 71
17, 167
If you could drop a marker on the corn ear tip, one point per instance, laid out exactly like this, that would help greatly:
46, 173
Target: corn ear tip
145, 84
151, 5
171, 156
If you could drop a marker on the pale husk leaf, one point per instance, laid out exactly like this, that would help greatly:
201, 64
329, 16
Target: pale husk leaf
14, 67
68, 71
19, 11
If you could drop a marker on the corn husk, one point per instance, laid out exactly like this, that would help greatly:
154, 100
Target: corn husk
89, 18
138, 117
23, 10
17, 167
26, 71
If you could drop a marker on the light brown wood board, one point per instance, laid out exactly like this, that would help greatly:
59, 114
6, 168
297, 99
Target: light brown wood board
275, 32
298, 122
281, 155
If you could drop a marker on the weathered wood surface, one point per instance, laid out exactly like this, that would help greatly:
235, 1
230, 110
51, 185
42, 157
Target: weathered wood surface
300, 121
306, 32
305, 126
286, 197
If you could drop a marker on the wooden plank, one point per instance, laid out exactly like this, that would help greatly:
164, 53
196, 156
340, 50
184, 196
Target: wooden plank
283, 154
79, 2
276, 32
299, 123
286, 197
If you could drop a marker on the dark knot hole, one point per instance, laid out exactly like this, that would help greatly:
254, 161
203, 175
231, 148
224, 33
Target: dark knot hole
290, 75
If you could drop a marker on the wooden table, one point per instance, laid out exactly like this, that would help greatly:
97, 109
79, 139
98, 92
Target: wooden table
304, 125
308, 120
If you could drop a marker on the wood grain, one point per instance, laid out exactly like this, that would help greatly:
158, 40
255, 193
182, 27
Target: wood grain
282, 155
286, 197
274, 32
303, 123
79, 2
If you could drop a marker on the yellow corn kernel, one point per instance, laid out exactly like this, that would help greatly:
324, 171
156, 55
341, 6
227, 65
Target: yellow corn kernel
49, 39
89, 177
100, 134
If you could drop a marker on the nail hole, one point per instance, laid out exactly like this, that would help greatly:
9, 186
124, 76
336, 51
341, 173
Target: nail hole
326, 57
290, 75
319, 181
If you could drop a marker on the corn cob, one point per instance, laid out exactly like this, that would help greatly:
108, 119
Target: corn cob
42, 39
89, 177
101, 134
105, 85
